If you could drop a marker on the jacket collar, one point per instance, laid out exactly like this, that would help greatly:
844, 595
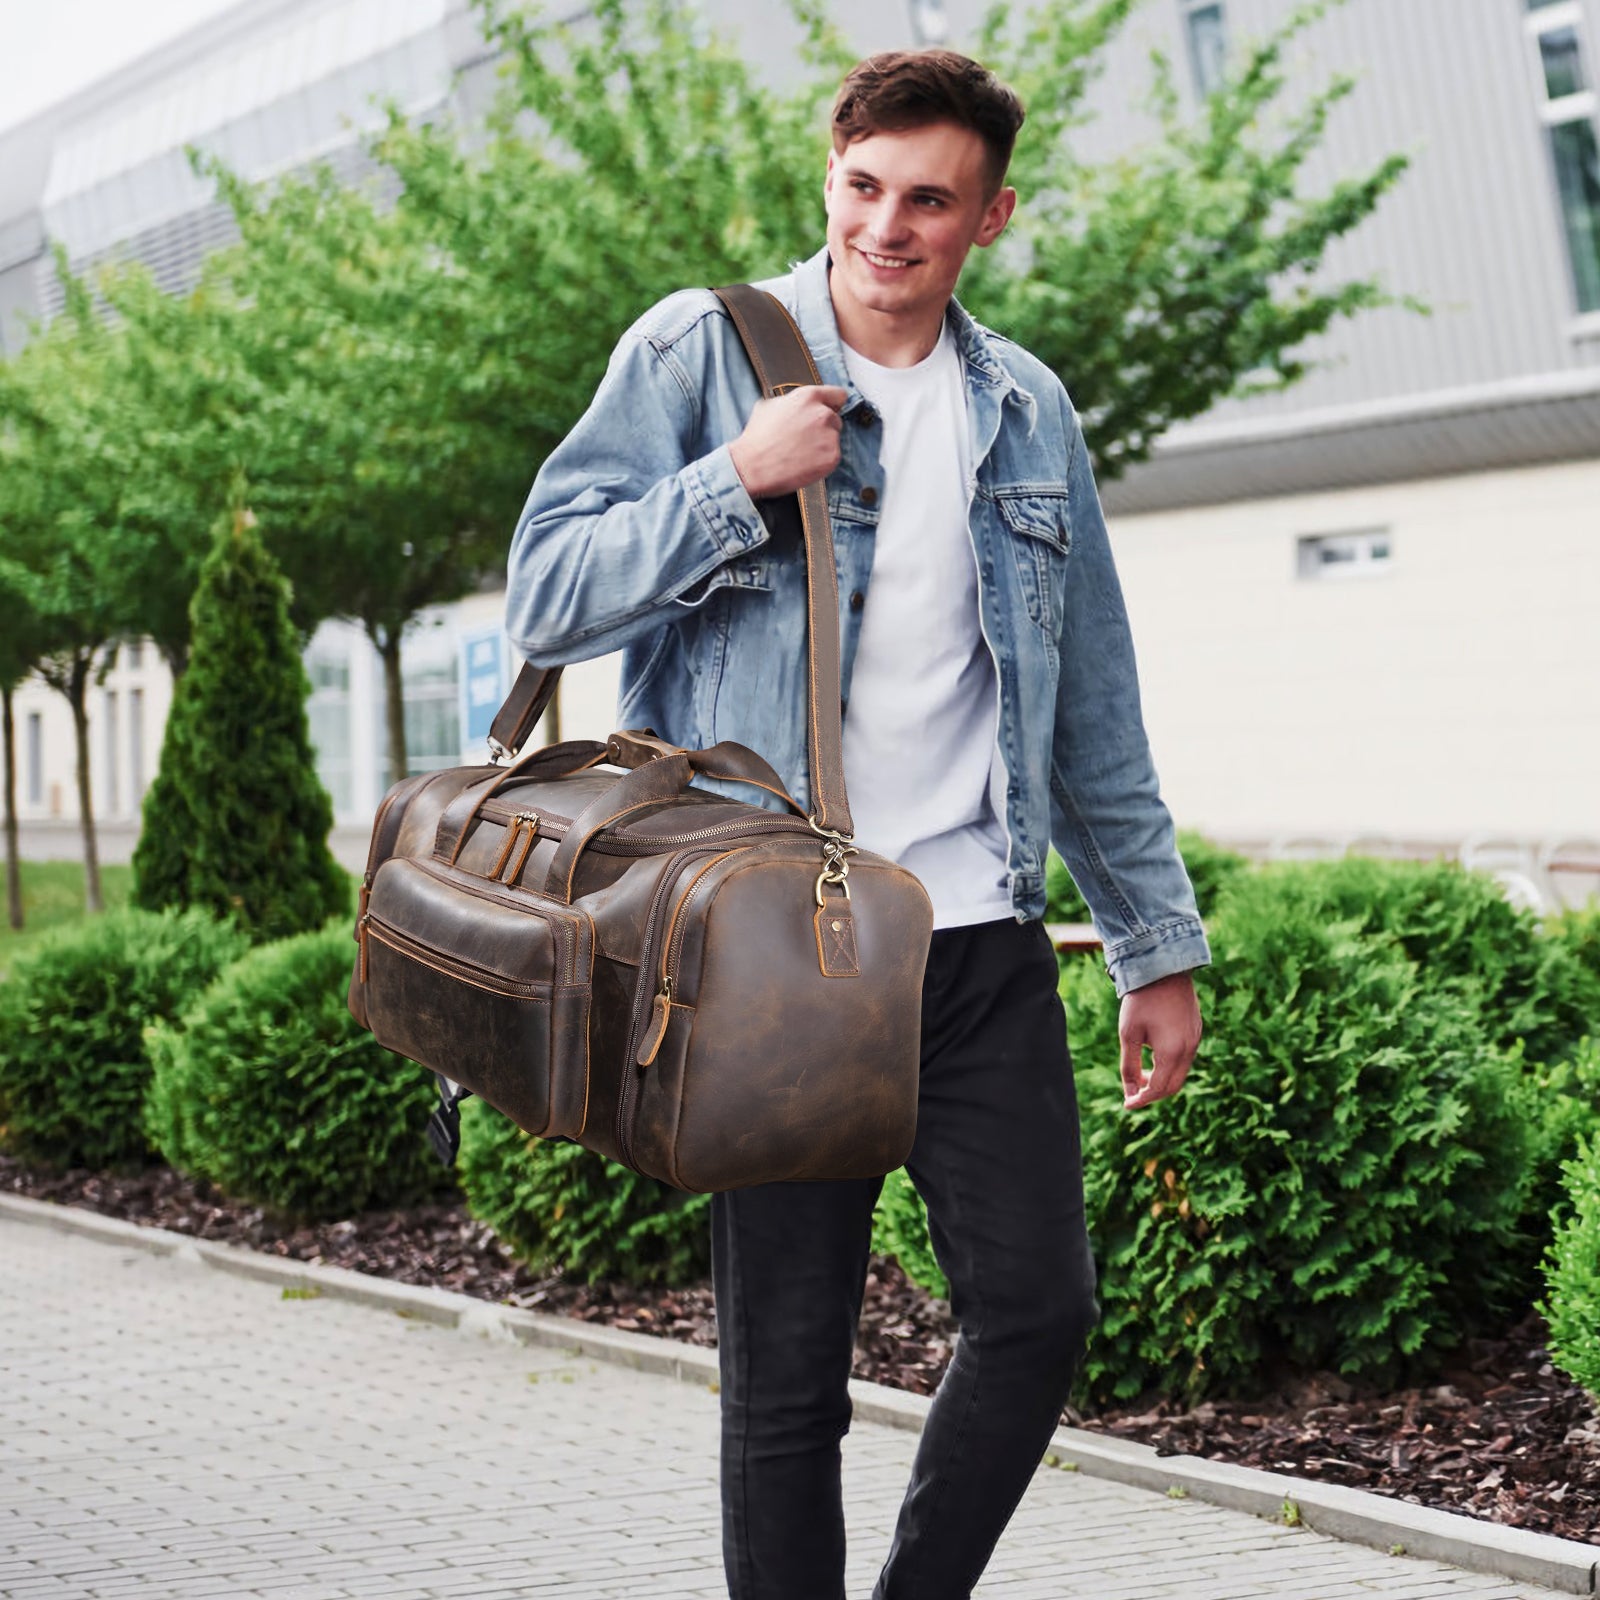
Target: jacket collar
814, 311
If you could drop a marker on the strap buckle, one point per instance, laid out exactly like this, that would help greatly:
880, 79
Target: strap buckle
499, 756
633, 747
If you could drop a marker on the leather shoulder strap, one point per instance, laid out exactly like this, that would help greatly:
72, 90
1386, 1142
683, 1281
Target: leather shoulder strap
777, 350
782, 361
515, 721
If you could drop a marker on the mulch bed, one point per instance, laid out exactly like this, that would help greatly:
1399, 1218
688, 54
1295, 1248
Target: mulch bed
1501, 1435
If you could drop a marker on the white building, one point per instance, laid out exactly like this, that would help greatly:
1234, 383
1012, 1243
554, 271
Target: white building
1364, 608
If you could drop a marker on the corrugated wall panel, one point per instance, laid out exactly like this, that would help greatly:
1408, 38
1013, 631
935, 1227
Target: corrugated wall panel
1474, 227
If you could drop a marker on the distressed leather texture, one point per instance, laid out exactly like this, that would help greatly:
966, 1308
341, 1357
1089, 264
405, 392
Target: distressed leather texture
714, 993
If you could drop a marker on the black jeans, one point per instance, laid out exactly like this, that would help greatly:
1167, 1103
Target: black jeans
997, 1160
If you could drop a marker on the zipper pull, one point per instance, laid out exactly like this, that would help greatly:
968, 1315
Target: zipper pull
660, 1016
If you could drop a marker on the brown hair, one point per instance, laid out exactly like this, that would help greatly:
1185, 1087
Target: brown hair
902, 89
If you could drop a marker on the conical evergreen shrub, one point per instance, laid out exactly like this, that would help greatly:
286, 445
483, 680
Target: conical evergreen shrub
237, 821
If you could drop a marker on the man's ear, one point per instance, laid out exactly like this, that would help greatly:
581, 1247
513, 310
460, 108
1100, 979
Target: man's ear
827, 177
995, 217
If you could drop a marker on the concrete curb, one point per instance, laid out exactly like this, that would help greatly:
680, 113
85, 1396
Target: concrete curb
1348, 1514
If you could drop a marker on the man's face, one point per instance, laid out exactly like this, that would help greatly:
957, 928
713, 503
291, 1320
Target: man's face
903, 211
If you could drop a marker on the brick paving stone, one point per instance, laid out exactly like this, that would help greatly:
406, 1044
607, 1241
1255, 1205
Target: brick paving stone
170, 1430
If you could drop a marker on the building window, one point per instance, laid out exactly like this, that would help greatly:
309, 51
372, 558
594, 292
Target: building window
135, 655
35, 758
1565, 95
328, 717
433, 710
1206, 35
1365, 553
136, 745
112, 738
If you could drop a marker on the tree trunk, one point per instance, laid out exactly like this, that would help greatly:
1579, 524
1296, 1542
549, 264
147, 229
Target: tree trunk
13, 861
78, 695
394, 702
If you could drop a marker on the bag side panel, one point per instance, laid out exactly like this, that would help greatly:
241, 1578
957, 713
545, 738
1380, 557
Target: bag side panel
775, 1072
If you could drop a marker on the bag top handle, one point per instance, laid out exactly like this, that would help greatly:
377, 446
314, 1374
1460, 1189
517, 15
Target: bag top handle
778, 352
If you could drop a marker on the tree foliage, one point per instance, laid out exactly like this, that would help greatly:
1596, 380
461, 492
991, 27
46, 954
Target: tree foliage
634, 155
1179, 273
236, 821
380, 473
60, 455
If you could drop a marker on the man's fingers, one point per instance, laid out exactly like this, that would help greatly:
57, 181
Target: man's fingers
1133, 1074
831, 395
1168, 1077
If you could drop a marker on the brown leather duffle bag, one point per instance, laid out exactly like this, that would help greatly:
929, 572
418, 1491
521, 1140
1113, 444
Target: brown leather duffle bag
712, 992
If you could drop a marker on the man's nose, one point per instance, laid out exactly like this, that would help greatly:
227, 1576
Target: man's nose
892, 224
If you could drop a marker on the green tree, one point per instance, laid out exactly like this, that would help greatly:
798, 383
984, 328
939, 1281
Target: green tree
59, 515
236, 821
634, 155
183, 399
1182, 272
374, 463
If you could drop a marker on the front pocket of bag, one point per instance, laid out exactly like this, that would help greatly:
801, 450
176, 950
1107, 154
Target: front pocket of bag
489, 988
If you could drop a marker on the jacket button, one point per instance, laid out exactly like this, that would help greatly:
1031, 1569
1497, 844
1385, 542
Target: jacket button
869, 496
865, 416
857, 600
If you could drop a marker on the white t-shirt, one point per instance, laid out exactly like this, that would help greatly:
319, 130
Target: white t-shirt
920, 756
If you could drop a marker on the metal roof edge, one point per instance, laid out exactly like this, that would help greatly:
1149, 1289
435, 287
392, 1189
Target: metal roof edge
1188, 437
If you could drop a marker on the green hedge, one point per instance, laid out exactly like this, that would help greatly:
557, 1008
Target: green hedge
1572, 1272
560, 1207
1468, 939
1343, 1183
270, 1089
73, 1012
900, 1229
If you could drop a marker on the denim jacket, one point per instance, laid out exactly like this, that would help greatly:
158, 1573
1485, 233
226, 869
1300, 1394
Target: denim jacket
639, 536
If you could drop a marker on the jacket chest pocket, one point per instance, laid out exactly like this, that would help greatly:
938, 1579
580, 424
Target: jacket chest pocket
1035, 518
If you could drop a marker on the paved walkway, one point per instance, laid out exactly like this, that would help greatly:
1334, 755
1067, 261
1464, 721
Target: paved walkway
168, 1430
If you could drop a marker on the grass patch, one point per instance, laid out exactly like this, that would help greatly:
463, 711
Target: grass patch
52, 897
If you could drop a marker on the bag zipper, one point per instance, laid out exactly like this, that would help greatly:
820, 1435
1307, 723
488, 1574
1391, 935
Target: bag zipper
560, 924
657, 915
555, 827
671, 949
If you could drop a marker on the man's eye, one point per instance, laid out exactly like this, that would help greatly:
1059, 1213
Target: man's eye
860, 185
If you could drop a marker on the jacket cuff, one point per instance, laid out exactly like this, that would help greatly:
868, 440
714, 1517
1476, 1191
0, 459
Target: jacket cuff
723, 503
1178, 946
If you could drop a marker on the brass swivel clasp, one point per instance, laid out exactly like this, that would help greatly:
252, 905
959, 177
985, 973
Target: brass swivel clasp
837, 848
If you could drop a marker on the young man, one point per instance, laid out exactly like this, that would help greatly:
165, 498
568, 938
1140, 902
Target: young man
991, 707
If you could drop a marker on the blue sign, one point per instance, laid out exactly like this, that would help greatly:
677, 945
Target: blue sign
483, 677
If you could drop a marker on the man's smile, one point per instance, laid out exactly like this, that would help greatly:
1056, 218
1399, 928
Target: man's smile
892, 262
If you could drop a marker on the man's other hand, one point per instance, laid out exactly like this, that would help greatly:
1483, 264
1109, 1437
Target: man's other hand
789, 442
1165, 1016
